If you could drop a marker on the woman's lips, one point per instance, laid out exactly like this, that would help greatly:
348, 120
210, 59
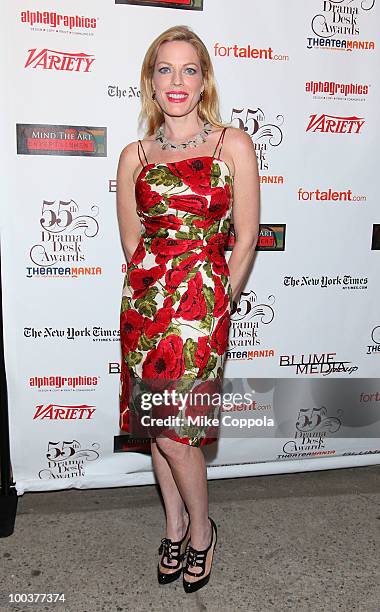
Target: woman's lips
177, 96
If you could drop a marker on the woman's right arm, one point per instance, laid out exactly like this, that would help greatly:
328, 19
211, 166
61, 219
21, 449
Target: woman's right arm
129, 221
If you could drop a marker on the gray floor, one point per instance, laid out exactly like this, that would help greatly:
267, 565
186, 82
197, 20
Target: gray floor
302, 542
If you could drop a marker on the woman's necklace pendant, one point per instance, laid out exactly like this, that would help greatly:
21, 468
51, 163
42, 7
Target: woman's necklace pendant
191, 143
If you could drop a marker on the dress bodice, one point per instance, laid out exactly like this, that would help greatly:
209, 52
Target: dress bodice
189, 199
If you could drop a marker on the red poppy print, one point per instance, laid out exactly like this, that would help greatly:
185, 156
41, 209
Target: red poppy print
165, 362
221, 298
146, 195
192, 306
141, 279
175, 313
195, 173
166, 248
160, 323
131, 325
193, 204
219, 338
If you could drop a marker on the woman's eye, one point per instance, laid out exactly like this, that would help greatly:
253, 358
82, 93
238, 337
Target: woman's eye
164, 69
190, 70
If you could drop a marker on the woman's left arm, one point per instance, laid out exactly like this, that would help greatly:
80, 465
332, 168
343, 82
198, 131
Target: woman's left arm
245, 209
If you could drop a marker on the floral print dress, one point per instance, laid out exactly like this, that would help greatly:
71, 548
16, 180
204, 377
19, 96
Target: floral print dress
177, 298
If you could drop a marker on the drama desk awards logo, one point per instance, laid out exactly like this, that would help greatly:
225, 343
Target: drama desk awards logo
68, 459
263, 134
64, 234
311, 435
337, 25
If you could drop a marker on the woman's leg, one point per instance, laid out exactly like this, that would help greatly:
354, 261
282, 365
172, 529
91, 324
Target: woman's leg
175, 510
189, 475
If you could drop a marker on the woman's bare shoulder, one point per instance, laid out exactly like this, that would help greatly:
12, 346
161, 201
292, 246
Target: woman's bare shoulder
129, 151
239, 139
128, 161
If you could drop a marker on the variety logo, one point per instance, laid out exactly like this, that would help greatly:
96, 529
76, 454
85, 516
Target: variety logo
54, 20
47, 59
340, 18
94, 333
248, 52
374, 348
330, 90
57, 412
246, 318
343, 282
329, 195
44, 139
63, 235
64, 383
68, 459
331, 124
317, 363
194, 5
114, 91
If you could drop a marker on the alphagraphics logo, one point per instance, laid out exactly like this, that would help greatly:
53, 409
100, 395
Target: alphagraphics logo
64, 383
332, 90
51, 21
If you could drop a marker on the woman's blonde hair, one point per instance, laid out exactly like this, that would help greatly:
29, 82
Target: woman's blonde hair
151, 115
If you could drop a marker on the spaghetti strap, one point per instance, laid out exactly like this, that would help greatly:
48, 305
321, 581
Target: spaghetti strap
138, 150
220, 143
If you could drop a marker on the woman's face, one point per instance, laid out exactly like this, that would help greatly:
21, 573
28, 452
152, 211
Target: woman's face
177, 78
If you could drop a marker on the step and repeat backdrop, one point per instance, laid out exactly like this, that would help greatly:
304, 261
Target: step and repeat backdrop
302, 79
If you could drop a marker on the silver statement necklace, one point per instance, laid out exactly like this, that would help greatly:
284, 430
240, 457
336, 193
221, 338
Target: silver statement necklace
191, 143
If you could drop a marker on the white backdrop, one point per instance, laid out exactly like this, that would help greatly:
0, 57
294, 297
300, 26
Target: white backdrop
303, 79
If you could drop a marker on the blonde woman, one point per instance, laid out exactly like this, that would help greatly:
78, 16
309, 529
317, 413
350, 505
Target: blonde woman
176, 192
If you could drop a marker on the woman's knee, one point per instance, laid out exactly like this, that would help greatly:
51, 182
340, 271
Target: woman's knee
173, 449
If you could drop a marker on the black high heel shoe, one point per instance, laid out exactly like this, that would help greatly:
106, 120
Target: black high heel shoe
198, 558
173, 551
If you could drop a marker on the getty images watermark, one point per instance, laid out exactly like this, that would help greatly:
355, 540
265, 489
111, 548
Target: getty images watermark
188, 406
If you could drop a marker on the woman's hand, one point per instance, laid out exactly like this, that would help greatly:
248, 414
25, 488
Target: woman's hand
129, 221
